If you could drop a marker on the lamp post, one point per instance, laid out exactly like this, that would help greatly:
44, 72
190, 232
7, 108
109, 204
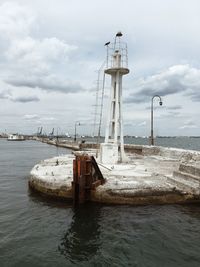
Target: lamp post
160, 102
77, 123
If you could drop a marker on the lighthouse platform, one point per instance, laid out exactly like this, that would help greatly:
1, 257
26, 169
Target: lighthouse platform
122, 71
156, 175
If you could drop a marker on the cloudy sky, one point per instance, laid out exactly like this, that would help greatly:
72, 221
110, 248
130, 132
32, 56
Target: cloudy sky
51, 51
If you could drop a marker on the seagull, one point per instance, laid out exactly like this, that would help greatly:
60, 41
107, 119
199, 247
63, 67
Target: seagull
119, 34
107, 43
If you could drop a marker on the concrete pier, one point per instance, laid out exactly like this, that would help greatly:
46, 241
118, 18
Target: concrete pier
69, 144
151, 175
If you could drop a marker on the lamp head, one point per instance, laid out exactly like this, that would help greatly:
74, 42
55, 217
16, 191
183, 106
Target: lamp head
160, 103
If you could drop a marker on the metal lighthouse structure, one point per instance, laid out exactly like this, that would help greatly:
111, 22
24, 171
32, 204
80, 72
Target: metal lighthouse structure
112, 150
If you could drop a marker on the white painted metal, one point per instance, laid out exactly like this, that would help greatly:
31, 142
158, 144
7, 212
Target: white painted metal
116, 67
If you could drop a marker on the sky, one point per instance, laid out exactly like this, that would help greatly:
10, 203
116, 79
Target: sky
51, 51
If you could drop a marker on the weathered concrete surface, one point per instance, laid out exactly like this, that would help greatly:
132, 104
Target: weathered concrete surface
157, 175
53, 177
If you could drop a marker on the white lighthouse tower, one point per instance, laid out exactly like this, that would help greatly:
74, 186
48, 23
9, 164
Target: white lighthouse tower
112, 150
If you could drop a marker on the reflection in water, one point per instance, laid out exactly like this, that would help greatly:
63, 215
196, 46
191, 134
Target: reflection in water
81, 241
49, 201
192, 210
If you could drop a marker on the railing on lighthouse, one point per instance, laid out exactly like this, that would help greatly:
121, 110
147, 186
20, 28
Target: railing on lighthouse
112, 150
122, 49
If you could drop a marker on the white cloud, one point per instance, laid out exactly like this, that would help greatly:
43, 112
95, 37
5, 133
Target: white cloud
48, 119
15, 20
30, 61
31, 117
35, 62
38, 54
188, 125
144, 123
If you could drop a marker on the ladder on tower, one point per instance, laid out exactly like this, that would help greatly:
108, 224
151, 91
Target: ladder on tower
98, 112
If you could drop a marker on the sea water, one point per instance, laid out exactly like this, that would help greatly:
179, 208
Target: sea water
35, 231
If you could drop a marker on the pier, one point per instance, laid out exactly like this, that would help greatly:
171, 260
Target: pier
152, 175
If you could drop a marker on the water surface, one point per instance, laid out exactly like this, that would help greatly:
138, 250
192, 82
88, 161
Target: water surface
39, 232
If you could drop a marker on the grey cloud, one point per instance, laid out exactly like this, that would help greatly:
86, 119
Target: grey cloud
175, 107
176, 79
170, 114
195, 96
25, 99
6, 94
146, 94
50, 84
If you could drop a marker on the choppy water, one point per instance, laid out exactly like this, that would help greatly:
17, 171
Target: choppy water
38, 232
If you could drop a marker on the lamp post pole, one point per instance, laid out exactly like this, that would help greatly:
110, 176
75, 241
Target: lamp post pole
76, 124
160, 102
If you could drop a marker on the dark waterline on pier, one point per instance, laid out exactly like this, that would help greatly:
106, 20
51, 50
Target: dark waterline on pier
39, 232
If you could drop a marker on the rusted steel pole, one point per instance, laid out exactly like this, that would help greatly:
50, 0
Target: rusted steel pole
86, 177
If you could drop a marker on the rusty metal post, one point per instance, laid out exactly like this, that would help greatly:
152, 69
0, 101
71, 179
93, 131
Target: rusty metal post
86, 177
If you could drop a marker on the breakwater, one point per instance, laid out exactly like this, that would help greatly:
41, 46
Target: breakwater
84, 146
151, 175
